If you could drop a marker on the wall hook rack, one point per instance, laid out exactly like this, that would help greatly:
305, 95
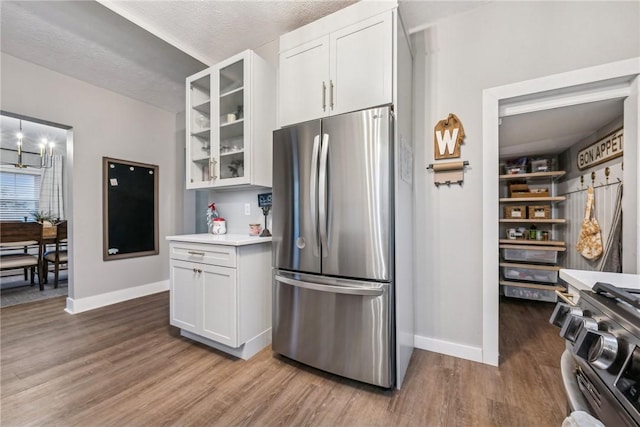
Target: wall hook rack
448, 173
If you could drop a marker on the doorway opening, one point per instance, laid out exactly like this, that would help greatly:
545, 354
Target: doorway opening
35, 171
608, 82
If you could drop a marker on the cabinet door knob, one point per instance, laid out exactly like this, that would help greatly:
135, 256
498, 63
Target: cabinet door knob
331, 94
324, 96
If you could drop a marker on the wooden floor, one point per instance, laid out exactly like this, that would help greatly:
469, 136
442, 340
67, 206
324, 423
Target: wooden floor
124, 365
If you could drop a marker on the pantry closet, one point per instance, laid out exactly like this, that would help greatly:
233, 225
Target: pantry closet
556, 137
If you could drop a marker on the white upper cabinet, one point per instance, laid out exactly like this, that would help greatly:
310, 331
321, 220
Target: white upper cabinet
229, 141
303, 81
348, 69
361, 65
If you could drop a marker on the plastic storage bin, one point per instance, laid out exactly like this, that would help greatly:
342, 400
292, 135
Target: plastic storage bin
530, 274
530, 255
530, 293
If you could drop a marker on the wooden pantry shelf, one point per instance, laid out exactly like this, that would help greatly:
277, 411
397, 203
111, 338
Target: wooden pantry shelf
530, 266
532, 242
553, 199
555, 248
532, 285
533, 175
534, 221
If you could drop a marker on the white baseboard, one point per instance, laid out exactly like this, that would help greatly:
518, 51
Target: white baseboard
245, 351
78, 305
449, 348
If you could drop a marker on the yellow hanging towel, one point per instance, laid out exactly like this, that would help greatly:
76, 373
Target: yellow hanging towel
590, 241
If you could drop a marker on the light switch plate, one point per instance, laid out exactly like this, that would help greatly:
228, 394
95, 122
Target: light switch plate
247, 208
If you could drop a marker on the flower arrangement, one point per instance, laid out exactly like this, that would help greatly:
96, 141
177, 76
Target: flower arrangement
42, 216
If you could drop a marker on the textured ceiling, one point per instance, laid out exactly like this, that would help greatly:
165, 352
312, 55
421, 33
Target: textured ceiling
214, 30
87, 41
553, 131
146, 49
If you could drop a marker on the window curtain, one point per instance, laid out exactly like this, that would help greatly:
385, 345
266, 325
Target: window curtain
51, 199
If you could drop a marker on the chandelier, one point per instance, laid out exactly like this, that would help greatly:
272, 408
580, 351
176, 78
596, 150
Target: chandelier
46, 151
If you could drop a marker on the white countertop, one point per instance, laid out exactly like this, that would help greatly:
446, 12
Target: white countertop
584, 280
220, 239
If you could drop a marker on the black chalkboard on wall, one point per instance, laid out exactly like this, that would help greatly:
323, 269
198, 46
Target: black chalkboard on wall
130, 209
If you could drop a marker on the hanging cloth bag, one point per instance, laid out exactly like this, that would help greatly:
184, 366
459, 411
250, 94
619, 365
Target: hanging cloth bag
590, 241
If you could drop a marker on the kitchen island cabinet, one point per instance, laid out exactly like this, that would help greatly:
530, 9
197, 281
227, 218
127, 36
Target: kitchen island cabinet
220, 291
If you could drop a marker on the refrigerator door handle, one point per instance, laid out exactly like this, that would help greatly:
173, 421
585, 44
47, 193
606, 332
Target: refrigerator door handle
323, 195
313, 193
332, 289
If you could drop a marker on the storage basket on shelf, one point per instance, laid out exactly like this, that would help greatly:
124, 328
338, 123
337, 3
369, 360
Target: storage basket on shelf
523, 190
529, 293
530, 273
515, 212
540, 212
546, 256
540, 165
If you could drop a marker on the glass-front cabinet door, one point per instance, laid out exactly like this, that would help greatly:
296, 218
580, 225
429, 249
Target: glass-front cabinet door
231, 139
198, 112
230, 118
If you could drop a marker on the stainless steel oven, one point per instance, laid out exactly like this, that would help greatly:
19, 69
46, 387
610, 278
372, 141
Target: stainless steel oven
601, 366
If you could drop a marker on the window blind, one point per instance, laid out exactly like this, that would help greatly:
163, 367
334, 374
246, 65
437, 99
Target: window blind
19, 195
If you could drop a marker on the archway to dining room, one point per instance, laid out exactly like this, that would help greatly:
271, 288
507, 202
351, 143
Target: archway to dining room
35, 172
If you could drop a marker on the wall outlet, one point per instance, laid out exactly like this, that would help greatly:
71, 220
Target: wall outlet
247, 208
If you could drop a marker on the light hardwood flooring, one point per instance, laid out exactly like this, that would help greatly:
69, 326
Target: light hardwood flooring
123, 365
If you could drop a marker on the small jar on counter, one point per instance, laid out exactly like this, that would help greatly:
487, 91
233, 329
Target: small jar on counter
219, 226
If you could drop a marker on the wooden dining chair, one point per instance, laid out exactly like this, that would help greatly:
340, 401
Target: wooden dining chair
14, 237
58, 256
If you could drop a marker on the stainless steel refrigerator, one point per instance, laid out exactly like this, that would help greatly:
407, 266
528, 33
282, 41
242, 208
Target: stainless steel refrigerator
333, 222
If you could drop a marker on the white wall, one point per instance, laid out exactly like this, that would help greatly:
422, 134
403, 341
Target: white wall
493, 45
104, 124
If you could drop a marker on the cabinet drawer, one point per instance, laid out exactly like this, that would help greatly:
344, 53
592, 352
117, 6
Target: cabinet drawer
224, 256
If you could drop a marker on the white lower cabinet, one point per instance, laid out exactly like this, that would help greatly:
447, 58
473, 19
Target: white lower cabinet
225, 307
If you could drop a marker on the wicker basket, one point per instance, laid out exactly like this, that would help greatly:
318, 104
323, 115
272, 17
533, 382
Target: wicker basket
538, 192
515, 212
540, 212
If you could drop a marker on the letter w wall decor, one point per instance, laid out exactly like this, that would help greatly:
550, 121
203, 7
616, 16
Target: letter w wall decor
448, 136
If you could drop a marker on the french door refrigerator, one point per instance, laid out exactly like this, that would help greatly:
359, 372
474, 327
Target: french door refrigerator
333, 289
